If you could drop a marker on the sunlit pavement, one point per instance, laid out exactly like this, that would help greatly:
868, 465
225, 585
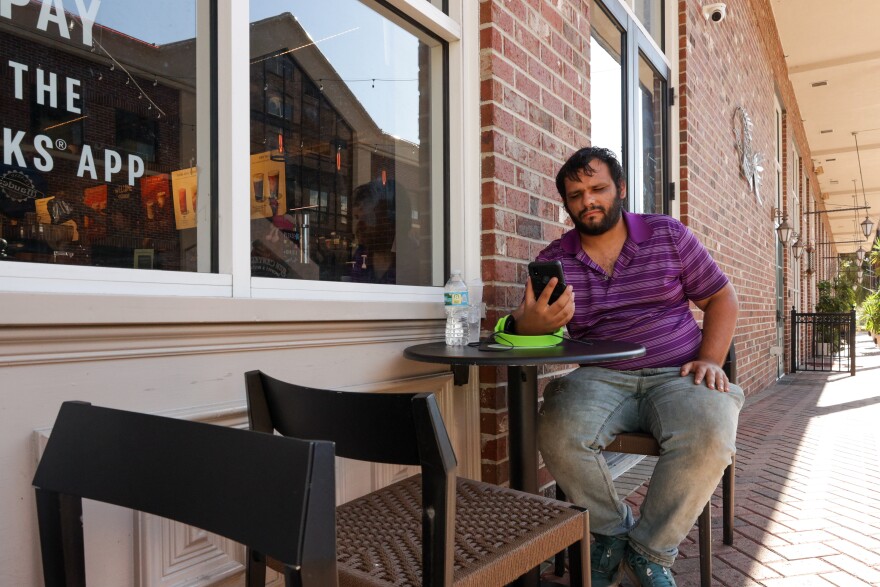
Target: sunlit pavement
807, 484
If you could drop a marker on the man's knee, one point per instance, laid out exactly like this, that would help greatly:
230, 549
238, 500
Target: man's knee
698, 419
567, 419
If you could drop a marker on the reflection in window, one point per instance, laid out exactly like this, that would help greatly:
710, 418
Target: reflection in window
650, 14
649, 135
606, 99
628, 102
100, 143
346, 145
137, 134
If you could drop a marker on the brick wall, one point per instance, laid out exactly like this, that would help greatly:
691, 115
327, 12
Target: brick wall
719, 72
535, 112
816, 224
740, 62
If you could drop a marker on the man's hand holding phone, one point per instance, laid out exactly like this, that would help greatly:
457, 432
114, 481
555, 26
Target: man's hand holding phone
536, 315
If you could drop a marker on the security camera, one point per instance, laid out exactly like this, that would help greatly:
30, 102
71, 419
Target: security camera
715, 11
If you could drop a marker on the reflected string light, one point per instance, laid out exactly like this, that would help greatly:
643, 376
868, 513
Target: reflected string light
372, 80
130, 80
65, 123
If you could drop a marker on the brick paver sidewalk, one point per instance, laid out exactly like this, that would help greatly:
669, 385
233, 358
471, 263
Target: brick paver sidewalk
807, 479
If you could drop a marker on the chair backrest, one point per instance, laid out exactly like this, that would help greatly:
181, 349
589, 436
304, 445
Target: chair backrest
399, 428
729, 365
208, 476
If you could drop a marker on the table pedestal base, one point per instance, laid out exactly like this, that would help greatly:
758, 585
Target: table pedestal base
522, 401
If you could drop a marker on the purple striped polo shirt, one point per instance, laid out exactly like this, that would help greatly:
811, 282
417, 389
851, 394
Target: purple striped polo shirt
662, 265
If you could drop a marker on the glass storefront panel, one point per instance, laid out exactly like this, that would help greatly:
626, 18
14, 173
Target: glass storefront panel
606, 83
100, 165
649, 136
650, 14
629, 104
347, 180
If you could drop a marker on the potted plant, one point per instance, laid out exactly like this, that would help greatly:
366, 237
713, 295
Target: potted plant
871, 313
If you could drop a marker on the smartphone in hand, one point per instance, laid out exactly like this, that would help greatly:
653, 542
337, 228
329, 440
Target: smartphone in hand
541, 271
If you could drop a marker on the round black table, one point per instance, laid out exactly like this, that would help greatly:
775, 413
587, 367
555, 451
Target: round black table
522, 392
522, 386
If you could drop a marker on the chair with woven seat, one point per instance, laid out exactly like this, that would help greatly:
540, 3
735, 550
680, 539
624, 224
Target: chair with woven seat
208, 476
431, 529
642, 443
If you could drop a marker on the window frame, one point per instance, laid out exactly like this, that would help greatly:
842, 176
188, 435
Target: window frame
639, 42
225, 116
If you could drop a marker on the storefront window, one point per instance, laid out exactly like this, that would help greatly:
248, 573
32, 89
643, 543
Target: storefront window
99, 164
629, 101
606, 73
649, 135
650, 14
347, 180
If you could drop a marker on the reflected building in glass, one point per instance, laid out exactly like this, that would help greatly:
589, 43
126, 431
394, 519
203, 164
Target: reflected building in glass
345, 179
99, 147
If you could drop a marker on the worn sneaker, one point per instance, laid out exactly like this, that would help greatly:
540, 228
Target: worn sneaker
606, 553
646, 573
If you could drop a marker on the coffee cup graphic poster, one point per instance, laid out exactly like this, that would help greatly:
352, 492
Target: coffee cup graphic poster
185, 194
96, 198
155, 196
267, 186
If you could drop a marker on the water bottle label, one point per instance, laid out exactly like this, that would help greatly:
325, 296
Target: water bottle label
455, 298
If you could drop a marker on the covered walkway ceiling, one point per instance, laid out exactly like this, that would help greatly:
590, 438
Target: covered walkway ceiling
832, 49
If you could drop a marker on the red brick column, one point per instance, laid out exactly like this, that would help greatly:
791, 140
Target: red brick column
738, 62
534, 113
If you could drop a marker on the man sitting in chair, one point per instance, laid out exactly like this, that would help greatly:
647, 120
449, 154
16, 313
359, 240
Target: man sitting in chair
630, 278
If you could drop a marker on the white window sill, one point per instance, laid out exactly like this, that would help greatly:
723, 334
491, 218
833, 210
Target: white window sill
41, 295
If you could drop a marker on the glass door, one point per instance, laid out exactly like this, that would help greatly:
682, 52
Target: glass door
629, 101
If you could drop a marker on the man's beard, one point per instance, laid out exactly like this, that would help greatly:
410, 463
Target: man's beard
608, 221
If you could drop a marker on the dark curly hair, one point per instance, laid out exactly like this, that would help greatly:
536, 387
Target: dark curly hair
580, 163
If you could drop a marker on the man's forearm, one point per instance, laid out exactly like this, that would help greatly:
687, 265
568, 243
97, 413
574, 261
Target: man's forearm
719, 322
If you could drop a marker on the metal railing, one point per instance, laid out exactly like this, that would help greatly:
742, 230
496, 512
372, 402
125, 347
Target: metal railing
823, 341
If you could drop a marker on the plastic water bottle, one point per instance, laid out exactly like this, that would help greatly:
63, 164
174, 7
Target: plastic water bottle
455, 299
475, 299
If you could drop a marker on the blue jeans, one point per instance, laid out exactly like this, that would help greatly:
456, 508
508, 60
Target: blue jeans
696, 429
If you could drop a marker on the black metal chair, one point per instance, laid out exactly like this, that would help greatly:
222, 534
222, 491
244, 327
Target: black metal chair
431, 529
641, 443
211, 477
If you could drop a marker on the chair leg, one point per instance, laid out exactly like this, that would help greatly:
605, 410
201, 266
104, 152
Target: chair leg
705, 526
579, 557
559, 560
727, 489
61, 539
576, 566
255, 569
